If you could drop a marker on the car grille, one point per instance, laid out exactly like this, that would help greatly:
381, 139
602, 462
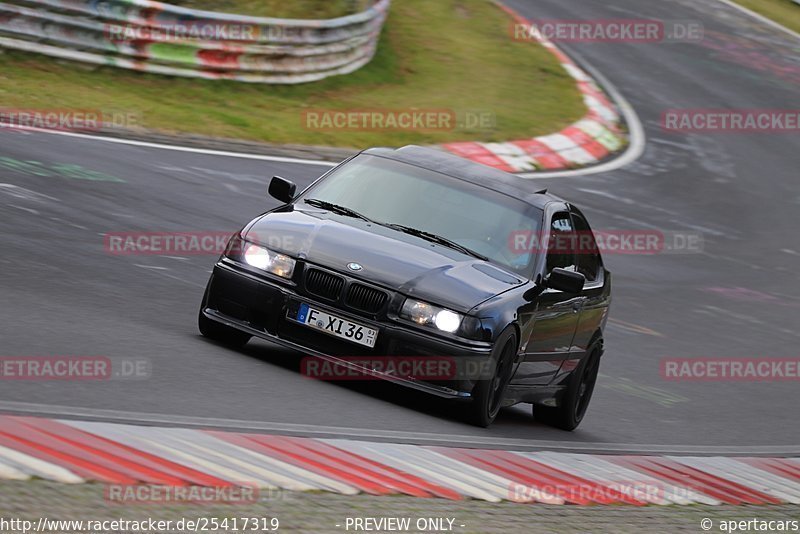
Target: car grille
325, 285
365, 298
358, 296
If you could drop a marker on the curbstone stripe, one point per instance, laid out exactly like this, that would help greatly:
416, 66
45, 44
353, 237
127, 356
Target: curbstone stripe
83, 451
591, 139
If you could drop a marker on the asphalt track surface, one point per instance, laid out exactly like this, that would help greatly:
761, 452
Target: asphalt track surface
62, 294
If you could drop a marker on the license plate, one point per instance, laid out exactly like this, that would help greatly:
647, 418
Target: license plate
336, 326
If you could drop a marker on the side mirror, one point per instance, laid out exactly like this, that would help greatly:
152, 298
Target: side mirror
558, 279
566, 281
282, 189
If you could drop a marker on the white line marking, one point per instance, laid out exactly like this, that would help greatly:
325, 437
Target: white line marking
160, 270
627, 476
636, 146
192, 455
285, 475
248, 461
8, 472
628, 481
762, 478
731, 470
224, 460
761, 18
582, 466
40, 468
492, 442
25, 194
429, 466
193, 150
29, 210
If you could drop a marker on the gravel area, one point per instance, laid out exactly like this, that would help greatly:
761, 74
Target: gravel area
323, 512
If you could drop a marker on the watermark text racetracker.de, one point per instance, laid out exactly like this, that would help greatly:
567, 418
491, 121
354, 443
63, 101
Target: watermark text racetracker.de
775, 121
80, 120
73, 368
232, 523
184, 243
244, 493
648, 490
609, 30
206, 30
411, 119
647, 242
190, 243
425, 368
730, 369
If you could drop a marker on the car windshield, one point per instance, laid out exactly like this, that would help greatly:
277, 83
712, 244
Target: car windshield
390, 192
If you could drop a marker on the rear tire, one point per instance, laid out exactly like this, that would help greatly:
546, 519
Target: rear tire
569, 414
488, 394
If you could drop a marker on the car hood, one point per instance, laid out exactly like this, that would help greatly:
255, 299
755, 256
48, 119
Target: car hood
389, 258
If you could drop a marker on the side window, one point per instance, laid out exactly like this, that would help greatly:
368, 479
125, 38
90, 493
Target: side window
560, 251
588, 255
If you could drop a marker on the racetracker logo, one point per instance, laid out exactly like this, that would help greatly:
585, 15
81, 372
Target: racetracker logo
374, 120
205, 30
731, 120
608, 31
425, 368
72, 368
639, 490
731, 369
158, 494
185, 243
65, 119
647, 242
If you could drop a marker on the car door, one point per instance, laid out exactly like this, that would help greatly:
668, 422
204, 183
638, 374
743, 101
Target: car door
596, 289
549, 323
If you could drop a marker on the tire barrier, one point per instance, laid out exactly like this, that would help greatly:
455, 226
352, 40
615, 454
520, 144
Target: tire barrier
164, 39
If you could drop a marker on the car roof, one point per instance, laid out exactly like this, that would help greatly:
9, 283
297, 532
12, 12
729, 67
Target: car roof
469, 171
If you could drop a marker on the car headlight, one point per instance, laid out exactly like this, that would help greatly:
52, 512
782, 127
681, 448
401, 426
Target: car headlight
423, 313
260, 257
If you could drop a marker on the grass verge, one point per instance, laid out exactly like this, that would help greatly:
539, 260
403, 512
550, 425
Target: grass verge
785, 12
448, 54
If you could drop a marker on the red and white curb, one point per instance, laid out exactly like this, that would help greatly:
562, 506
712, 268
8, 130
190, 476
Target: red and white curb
588, 141
79, 451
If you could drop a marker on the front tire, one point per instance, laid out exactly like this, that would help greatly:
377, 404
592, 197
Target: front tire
219, 332
569, 414
488, 394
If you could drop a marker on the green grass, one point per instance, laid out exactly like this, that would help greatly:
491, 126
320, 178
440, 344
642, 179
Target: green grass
785, 12
301, 9
447, 54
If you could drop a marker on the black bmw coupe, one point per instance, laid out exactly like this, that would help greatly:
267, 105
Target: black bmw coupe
417, 254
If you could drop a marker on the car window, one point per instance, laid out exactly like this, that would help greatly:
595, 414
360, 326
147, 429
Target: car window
560, 247
588, 255
476, 217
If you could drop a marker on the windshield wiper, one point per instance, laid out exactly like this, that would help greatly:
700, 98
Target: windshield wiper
336, 208
437, 239
343, 210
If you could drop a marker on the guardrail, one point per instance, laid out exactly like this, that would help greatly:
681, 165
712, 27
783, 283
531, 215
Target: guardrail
165, 39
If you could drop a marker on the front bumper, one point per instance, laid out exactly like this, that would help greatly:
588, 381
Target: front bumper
259, 306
